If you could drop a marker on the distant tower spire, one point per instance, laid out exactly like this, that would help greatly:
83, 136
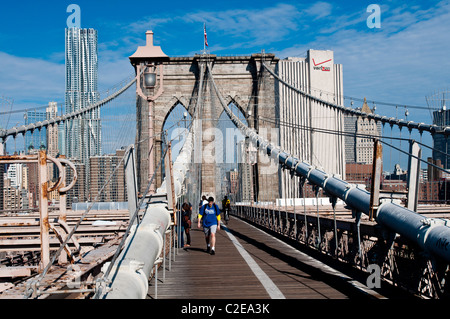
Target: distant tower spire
365, 108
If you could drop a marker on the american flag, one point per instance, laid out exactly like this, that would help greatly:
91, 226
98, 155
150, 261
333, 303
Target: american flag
206, 35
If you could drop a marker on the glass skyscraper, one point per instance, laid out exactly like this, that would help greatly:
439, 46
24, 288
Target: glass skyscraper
38, 138
83, 134
441, 147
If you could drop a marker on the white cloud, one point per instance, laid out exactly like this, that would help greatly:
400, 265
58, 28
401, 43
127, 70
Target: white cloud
319, 10
113, 71
400, 63
263, 26
30, 83
244, 28
29, 79
407, 57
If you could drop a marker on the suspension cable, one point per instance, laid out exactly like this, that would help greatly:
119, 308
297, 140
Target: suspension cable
25, 128
343, 133
432, 128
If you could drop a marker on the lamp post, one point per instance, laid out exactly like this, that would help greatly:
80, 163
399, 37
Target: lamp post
146, 86
149, 65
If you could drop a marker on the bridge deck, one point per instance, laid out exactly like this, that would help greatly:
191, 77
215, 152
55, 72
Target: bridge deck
228, 275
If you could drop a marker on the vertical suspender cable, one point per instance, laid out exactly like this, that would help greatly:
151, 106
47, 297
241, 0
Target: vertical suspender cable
430, 234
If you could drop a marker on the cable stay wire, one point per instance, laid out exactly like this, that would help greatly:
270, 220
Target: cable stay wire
369, 101
74, 229
31, 127
254, 135
432, 128
359, 135
29, 292
99, 293
344, 133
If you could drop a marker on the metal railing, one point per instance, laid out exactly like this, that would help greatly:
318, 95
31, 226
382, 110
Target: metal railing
430, 234
354, 241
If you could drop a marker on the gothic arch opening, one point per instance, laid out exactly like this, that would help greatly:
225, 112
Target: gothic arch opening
175, 128
229, 155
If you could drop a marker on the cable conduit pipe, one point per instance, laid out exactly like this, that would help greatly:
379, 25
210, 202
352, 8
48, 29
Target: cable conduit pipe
431, 234
142, 248
435, 239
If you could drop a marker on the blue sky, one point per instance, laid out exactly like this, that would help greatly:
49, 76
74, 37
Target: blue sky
401, 62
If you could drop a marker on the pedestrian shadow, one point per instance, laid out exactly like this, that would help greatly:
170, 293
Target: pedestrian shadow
188, 249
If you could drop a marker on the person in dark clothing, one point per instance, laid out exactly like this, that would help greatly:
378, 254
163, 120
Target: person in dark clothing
186, 214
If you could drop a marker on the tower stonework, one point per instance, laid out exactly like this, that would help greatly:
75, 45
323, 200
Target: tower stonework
241, 81
244, 82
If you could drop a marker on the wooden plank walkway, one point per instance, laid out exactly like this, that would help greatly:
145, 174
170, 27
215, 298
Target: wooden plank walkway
227, 274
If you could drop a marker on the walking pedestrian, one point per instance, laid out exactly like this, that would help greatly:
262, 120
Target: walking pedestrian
186, 213
209, 217
226, 206
203, 201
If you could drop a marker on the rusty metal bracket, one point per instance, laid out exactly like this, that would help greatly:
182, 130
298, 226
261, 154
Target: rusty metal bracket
59, 235
75, 175
42, 159
67, 229
62, 175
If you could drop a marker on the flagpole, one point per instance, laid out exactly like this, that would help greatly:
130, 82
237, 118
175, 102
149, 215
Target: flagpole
204, 39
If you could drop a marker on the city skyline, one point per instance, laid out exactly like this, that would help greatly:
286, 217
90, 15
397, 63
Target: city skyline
379, 63
125, 27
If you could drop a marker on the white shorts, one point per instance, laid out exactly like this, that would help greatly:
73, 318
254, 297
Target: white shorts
210, 230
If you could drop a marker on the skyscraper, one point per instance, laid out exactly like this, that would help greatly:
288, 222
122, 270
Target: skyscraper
102, 167
359, 148
441, 118
83, 135
303, 119
37, 138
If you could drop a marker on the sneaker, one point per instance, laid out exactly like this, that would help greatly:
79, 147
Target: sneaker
213, 252
208, 250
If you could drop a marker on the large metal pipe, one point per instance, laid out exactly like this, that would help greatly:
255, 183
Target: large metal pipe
431, 234
143, 247
434, 238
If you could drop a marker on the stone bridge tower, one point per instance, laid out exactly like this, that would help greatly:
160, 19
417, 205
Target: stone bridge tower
178, 80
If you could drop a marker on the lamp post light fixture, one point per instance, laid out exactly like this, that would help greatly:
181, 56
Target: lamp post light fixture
149, 79
149, 64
